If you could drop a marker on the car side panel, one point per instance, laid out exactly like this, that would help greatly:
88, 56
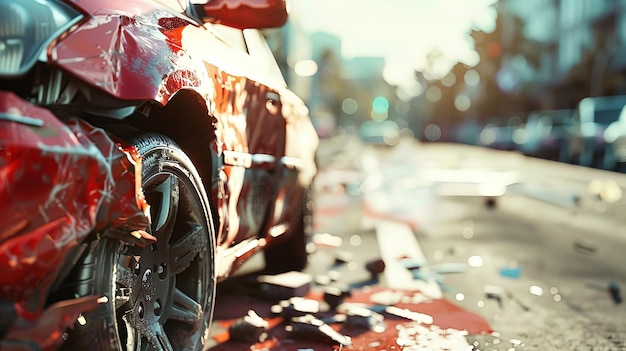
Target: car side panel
150, 54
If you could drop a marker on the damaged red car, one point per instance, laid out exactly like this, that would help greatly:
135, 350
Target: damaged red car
147, 149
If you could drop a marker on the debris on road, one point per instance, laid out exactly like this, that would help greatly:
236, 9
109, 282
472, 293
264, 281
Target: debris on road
426, 274
285, 285
342, 257
361, 317
297, 306
494, 292
584, 247
375, 267
327, 240
310, 327
378, 327
615, 292
334, 296
612, 287
386, 297
416, 336
446, 268
511, 271
408, 314
251, 328
412, 263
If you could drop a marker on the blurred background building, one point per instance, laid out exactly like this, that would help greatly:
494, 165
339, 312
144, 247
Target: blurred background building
543, 55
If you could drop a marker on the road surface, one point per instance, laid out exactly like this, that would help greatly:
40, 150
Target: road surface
533, 248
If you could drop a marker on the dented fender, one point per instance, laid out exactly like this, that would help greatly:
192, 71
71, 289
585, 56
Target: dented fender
59, 182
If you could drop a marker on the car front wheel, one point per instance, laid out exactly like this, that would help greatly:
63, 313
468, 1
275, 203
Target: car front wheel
160, 297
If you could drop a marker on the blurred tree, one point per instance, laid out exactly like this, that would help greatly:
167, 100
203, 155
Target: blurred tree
505, 90
332, 89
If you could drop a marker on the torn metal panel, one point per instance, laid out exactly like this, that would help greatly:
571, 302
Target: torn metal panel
46, 333
60, 182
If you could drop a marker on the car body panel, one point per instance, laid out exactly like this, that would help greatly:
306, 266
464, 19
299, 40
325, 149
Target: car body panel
246, 14
131, 54
47, 202
154, 53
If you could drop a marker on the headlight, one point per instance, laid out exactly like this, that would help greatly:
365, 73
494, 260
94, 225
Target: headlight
26, 28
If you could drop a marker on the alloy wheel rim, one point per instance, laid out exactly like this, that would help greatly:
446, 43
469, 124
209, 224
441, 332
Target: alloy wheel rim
161, 290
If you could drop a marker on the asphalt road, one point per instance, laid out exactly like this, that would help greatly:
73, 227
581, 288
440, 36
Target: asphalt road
534, 247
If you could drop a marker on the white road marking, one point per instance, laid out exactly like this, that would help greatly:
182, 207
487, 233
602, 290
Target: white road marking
397, 243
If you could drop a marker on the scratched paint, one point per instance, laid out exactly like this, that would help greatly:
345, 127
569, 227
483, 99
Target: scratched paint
59, 183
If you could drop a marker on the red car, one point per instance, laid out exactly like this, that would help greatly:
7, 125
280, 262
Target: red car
147, 149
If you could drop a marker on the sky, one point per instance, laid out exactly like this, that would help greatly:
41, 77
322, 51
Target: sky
404, 32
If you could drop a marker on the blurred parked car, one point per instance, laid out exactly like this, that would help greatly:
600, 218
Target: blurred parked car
615, 150
147, 149
501, 135
384, 133
545, 133
586, 139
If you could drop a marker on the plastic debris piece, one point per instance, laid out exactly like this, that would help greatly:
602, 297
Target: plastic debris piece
386, 297
511, 272
334, 275
327, 240
426, 274
411, 315
375, 267
322, 279
584, 247
334, 296
490, 202
412, 263
413, 336
285, 285
417, 298
251, 328
297, 306
312, 328
361, 317
445, 268
614, 290
343, 257
494, 292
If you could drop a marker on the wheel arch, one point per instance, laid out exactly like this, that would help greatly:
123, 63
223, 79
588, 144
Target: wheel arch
186, 120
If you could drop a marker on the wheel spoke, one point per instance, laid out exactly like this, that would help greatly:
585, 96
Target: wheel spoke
185, 309
185, 250
162, 341
166, 208
125, 276
132, 338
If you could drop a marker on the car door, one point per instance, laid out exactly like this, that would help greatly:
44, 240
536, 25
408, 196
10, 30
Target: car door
250, 132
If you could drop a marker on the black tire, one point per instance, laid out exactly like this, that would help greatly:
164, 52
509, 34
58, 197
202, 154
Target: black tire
161, 296
290, 253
